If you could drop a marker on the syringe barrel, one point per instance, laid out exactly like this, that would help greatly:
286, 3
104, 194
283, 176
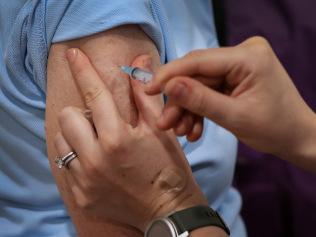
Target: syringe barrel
141, 75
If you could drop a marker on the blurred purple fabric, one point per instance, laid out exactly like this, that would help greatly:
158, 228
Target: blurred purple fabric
279, 199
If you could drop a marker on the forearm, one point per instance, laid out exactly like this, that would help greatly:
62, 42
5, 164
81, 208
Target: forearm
303, 150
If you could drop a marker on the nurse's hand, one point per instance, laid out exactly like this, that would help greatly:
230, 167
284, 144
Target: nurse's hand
127, 174
246, 90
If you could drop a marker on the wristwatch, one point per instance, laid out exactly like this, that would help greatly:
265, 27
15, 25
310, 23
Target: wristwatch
181, 223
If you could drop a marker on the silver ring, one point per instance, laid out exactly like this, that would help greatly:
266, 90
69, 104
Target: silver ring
65, 160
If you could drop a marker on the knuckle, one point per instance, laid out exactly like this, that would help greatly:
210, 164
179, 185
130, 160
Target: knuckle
259, 47
66, 115
92, 95
199, 103
114, 146
257, 40
83, 199
194, 53
84, 202
87, 185
92, 169
81, 203
258, 54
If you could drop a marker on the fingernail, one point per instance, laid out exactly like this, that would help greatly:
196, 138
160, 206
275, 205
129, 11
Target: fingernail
148, 63
178, 91
72, 54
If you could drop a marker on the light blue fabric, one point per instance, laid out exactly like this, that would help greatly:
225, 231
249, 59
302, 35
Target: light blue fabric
30, 205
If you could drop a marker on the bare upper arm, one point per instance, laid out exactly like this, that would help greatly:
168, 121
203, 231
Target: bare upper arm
107, 51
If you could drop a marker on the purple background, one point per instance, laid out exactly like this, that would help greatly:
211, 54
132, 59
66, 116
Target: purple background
279, 199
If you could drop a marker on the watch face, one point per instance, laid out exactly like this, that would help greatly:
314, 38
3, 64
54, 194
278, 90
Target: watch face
161, 228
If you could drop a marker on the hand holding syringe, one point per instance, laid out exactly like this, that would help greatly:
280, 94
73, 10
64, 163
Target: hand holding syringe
182, 121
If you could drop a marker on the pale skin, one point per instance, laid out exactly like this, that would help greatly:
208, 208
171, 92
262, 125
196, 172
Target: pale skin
131, 174
107, 51
246, 90
254, 80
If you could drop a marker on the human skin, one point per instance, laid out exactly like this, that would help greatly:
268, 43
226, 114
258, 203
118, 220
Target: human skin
246, 90
107, 51
152, 181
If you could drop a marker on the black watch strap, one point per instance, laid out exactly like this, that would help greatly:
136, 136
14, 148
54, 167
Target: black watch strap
197, 217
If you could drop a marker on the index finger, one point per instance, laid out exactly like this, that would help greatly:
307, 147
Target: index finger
97, 97
211, 63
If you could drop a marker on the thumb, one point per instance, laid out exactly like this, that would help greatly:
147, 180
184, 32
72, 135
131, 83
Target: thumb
200, 99
149, 107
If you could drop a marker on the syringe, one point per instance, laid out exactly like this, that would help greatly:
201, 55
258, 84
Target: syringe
138, 74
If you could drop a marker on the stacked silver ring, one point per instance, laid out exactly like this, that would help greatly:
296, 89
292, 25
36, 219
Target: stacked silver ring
65, 161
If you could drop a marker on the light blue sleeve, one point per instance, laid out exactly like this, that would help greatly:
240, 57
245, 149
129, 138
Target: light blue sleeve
30, 204
44, 22
67, 20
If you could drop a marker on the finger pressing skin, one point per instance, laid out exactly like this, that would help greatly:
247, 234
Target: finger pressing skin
96, 95
79, 133
149, 107
211, 63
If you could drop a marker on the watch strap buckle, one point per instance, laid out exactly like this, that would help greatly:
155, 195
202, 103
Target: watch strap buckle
184, 234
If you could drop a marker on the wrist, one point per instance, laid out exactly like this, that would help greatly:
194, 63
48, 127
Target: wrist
306, 152
193, 221
213, 231
302, 150
191, 196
